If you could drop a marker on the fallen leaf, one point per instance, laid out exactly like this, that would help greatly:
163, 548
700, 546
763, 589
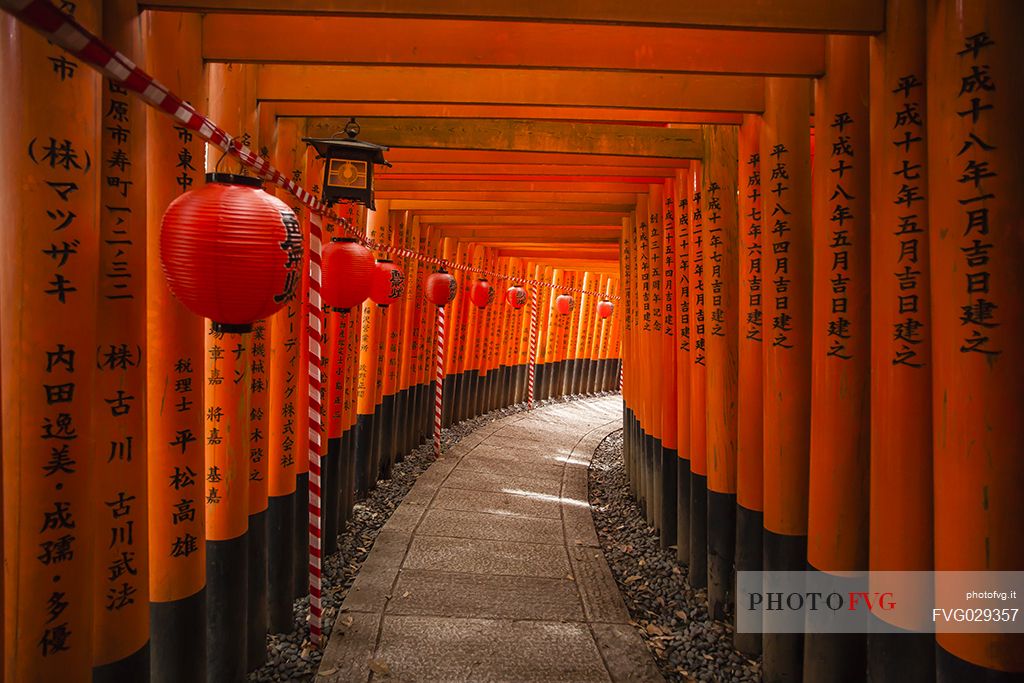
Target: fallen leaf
328, 672
379, 667
632, 579
406, 594
347, 621
681, 614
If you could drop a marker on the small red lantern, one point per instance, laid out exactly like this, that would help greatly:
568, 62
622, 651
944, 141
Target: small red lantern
605, 308
440, 288
347, 267
387, 283
564, 304
230, 251
515, 296
482, 293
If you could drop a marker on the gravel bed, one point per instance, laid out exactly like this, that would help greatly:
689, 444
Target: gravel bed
672, 618
290, 657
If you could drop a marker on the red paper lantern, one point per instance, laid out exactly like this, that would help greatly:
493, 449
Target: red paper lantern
482, 293
440, 287
347, 268
387, 283
605, 308
515, 296
564, 304
230, 251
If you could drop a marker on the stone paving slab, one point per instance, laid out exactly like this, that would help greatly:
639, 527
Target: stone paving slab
490, 569
462, 524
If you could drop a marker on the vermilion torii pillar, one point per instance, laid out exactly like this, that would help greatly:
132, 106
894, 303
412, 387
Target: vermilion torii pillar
975, 98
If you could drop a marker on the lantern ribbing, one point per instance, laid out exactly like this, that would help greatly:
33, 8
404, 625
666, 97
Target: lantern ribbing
64, 31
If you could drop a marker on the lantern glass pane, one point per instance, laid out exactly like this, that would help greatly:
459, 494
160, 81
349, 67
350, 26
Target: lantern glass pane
347, 173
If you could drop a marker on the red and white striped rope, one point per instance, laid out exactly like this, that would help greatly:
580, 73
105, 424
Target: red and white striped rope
533, 347
439, 377
314, 329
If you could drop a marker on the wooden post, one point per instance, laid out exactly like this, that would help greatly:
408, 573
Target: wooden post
177, 516
284, 422
683, 364
786, 187
750, 401
121, 633
975, 100
698, 575
50, 137
721, 275
228, 391
669, 380
837, 534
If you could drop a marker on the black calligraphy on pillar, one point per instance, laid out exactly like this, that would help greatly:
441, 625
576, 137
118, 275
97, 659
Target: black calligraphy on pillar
843, 156
980, 314
753, 249
697, 280
643, 254
714, 240
684, 273
183, 479
185, 170
288, 405
668, 312
258, 388
656, 270
908, 123
782, 322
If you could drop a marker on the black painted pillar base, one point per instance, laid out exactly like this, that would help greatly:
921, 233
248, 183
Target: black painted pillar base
300, 540
683, 511
650, 453
721, 552
839, 657
363, 438
256, 642
904, 657
387, 435
657, 482
698, 530
783, 653
280, 566
376, 447
669, 460
177, 639
330, 496
749, 551
131, 669
227, 596
449, 390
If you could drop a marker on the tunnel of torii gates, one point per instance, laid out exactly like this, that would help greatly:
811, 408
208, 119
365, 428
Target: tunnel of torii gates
807, 216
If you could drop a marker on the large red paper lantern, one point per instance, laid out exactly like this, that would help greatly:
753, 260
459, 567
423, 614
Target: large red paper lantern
564, 304
440, 287
347, 267
482, 293
387, 283
515, 296
605, 308
230, 251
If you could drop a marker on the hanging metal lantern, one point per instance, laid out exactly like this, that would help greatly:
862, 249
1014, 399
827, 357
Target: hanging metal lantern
440, 288
515, 296
564, 304
230, 251
387, 283
482, 293
347, 271
605, 308
348, 166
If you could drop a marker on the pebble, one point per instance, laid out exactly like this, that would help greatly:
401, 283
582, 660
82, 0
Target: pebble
290, 657
672, 618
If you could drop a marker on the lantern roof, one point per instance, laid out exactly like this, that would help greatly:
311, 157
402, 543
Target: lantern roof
332, 148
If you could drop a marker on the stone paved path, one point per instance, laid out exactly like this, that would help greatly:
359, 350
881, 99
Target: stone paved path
490, 569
